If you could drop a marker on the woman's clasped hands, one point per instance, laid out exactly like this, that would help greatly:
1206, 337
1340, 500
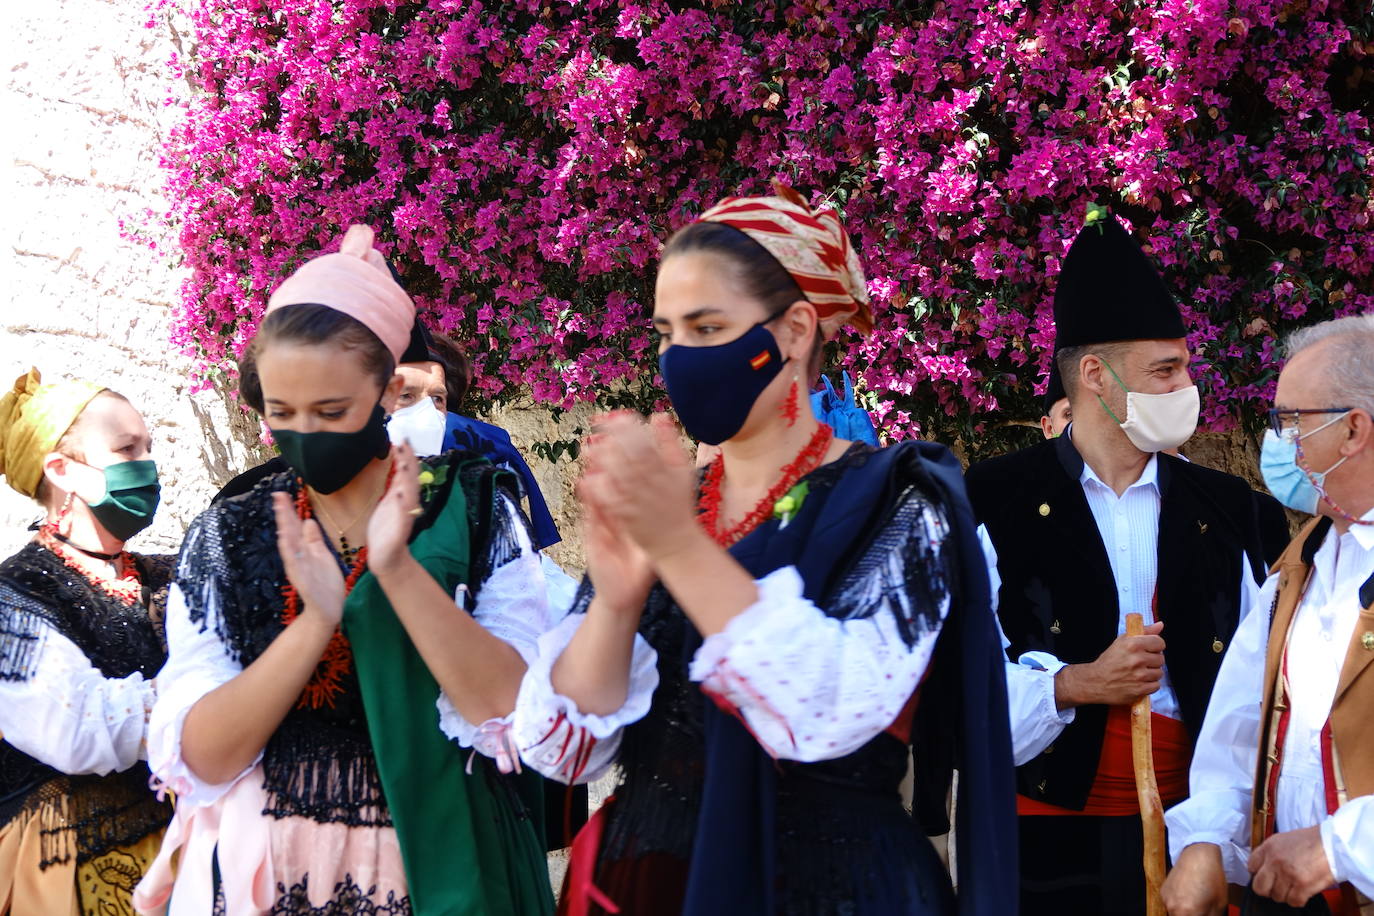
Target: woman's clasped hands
637, 494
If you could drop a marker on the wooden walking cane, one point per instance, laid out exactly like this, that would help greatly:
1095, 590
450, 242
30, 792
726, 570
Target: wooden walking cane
1147, 791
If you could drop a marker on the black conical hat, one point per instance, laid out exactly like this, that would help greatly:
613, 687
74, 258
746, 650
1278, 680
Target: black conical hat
1055, 388
1109, 291
421, 346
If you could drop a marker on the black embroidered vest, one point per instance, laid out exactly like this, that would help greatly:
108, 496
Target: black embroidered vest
836, 819
39, 591
319, 763
1059, 596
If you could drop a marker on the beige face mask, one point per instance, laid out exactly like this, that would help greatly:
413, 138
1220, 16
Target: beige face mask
1157, 422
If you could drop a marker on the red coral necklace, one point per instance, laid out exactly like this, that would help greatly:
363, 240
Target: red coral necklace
126, 585
337, 661
708, 504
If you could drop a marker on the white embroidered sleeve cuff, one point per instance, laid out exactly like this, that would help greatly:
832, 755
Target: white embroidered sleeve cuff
1348, 839
810, 686
1036, 719
1219, 817
164, 744
197, 664
553, 735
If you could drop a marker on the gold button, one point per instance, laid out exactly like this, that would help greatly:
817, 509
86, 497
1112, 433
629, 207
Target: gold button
1054, 628
1049, 750
1201, 527
1217, 645
1367, 640
1041, 787
1044, 509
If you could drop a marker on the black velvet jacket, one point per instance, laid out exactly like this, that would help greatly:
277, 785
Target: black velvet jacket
1059, 596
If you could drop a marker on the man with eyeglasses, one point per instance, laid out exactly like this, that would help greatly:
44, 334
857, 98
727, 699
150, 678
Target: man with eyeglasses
1283, 782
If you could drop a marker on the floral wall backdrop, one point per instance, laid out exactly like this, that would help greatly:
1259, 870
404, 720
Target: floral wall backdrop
523, 161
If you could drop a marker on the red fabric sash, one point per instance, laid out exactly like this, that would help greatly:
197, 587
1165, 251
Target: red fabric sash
1113, 791
579, 891
1341, 899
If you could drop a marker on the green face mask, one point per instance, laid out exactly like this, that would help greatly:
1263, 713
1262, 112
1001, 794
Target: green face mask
327, 461
131, 497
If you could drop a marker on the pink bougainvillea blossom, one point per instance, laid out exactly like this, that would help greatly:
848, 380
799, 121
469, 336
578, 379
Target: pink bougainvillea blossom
523, 162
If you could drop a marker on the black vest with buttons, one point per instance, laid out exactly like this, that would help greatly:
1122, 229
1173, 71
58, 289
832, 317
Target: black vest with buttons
1059, 595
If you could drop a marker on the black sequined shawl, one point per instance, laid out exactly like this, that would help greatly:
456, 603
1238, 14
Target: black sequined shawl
839, 839
40, 594
319, 763
663, 756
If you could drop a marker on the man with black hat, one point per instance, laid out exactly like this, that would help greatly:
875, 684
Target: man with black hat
1057, 414
1142, 532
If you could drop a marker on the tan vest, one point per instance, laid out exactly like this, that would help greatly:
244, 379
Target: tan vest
1353, 710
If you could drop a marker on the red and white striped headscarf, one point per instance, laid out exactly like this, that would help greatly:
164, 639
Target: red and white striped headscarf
814, 248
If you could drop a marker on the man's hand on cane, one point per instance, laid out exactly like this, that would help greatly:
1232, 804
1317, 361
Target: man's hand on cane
1197, 884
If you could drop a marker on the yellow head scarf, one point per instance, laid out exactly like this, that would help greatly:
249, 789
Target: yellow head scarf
33, 418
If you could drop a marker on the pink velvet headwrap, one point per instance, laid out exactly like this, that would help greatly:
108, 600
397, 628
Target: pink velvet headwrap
356, 282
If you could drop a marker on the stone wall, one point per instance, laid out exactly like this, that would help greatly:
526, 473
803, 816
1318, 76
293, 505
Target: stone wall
87, 97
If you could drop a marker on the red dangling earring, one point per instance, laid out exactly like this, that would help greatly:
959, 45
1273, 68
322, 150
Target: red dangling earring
789, 406
63, 515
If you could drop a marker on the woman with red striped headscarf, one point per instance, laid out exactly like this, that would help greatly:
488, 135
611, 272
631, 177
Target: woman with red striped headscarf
749, 642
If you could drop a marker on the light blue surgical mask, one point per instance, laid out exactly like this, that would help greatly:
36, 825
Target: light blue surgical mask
1291, 483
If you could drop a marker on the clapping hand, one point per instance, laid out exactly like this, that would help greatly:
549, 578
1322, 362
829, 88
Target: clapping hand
310, 564
640, 483
389, 528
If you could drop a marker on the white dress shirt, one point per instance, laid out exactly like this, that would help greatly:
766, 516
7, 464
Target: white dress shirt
1223, 770
1129, 527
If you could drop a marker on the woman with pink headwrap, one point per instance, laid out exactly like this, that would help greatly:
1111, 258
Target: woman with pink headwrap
345, 645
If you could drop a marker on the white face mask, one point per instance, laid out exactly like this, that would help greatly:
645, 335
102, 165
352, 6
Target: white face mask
421, 424
1156, 422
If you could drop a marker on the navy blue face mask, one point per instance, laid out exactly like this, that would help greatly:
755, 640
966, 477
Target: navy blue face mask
714, 388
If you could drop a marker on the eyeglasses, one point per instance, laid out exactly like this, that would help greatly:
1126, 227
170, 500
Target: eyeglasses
1280, 419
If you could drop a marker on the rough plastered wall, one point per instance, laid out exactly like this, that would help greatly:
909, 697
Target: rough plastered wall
85, 101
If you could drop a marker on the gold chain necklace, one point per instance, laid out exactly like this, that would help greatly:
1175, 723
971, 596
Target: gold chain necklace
318, 502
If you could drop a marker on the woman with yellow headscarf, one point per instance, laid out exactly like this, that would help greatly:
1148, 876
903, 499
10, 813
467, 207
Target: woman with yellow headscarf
80, 643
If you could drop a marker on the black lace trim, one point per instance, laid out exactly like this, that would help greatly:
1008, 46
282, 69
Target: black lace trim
230, 572
20, 775
37, 589
836, 818
21, 635
902, 570
495, 540
318, 770
349, 900
319, 764
84, 817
